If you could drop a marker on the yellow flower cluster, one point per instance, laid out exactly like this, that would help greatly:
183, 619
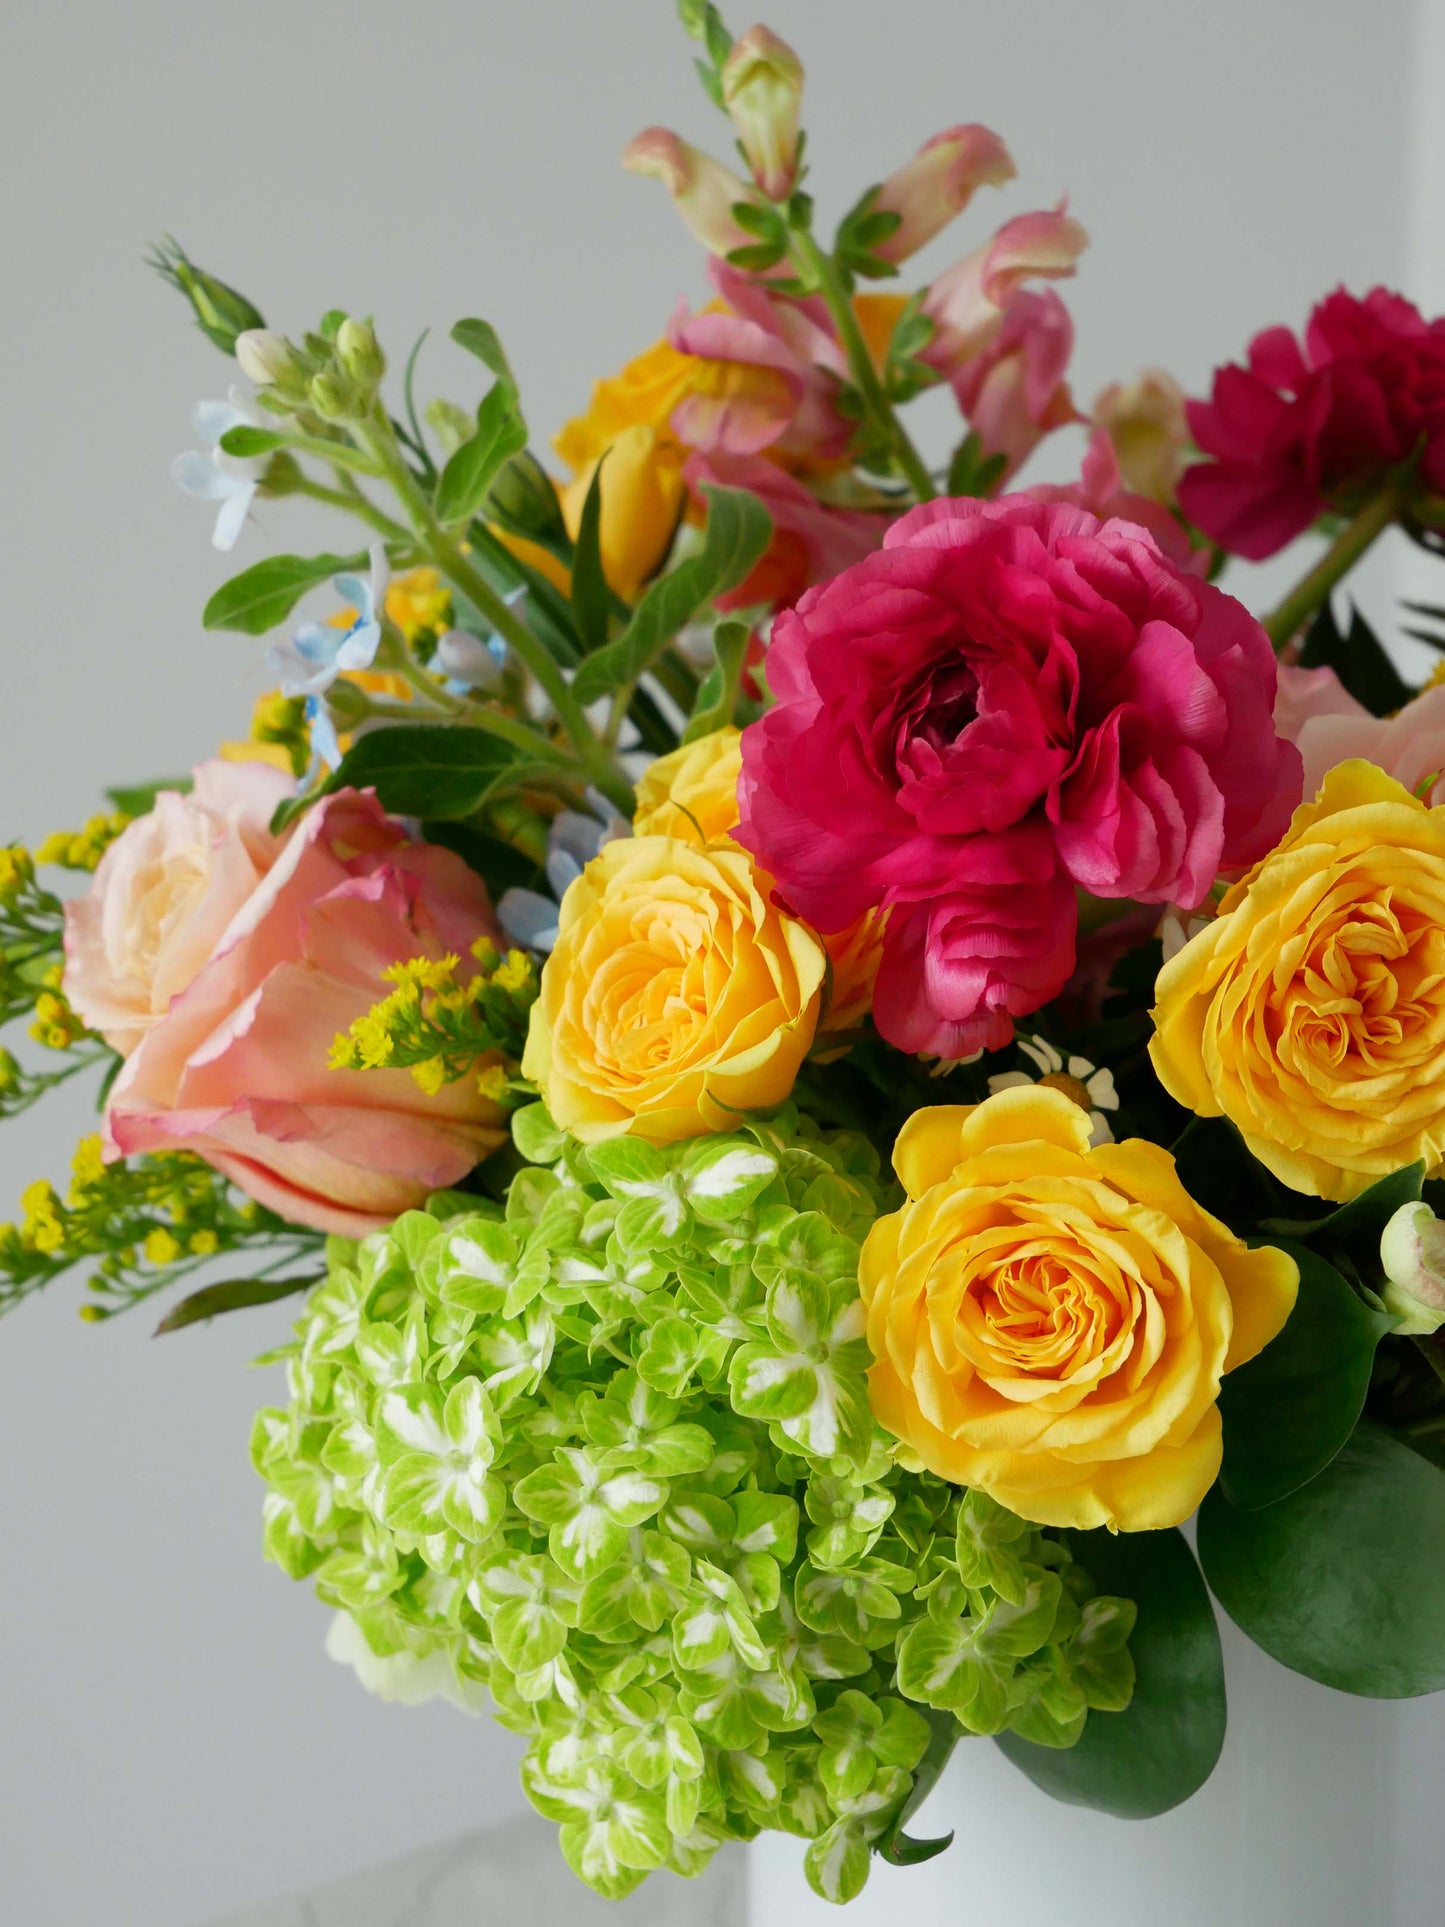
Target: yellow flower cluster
17, 871
55, 1024
442, 1025
82, 849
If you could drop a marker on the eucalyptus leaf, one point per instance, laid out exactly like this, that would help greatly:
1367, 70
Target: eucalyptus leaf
230, 1294
1344, 1580
738, 528
1164, 1745
266, 593
1289, 1410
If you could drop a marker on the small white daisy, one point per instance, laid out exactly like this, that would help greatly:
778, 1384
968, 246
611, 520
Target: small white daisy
1092, 1089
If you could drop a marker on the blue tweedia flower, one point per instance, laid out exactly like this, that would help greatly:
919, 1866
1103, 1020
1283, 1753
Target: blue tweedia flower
317, 653
527, 917
212, 476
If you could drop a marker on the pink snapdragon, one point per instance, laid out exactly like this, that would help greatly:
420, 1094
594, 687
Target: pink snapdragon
935, 187
1011, 699
704, 191
1101, 489
811, 540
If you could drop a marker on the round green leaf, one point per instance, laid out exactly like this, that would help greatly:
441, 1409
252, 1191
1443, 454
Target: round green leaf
1164, 1745
1288, 1411
1344, 1580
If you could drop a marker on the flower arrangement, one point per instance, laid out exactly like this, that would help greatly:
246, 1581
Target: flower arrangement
832, 1045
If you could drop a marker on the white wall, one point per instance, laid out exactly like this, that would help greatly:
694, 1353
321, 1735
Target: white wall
172, 1743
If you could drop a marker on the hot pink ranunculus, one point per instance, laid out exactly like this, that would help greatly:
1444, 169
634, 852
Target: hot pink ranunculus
1316, 712
1316, 425
234, 1064
1011, 699
1100, 489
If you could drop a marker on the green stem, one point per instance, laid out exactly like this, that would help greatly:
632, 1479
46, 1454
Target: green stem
529, 651
1313, 589
823, 271
476, 716
339, 454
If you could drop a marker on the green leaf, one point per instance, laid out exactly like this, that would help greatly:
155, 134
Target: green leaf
738, 528
1344, 1580
501, 433
1289, 1410
139, 799
480, 338
1358, 658
971, 472
717, 697
426, 769
591, 598
896, 1846
266, 593
1364, 1216
1164, 1746
230, 1294
246, 440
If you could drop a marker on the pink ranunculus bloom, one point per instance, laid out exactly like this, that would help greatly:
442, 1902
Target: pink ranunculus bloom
810, 540
1011, 699
793, 340
1100, 489
234, 1067
1314, 711
1014, 392
1315, 425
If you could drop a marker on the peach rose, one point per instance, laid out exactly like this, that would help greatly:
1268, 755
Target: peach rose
243, 956
1317, 713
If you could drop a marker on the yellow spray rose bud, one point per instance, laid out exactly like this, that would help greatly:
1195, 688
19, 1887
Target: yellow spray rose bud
1311, 1011
1050, 1321
855, 953
676, 997
692, 792
642, 498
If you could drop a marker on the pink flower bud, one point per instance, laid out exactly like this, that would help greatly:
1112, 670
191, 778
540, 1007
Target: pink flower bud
705, 191
762, 84
966, 302
937, 184
1412, 1253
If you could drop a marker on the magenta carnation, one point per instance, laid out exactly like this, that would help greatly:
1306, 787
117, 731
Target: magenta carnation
1306, 427
1008, 700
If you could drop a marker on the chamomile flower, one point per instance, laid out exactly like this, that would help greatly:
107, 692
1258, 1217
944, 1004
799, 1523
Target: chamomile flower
213, 476
1092, 1089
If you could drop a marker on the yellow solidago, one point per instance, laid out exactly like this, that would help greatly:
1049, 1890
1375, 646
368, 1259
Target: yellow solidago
279, 735
42, 1228
87, 1167
441, 1024
17, 870
55, 1024
82, 849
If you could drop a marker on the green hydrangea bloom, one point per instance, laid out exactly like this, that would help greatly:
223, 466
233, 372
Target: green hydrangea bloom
607, 1452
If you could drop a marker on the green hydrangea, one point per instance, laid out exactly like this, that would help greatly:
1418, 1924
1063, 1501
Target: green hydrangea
607, 1452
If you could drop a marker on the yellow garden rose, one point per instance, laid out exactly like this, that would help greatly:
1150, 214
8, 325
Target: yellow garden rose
642, 499
676, 997
1311, 1011
1050, 1322
693, 791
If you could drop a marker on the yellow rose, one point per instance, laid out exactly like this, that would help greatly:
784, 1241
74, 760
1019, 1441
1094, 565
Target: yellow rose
855, 954
1050, 1322
642, 500
1311, 1011
693, 791
676, 995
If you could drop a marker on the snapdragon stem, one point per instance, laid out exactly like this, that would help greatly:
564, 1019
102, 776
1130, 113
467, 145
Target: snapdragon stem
447, 555
821, 269
1313, 589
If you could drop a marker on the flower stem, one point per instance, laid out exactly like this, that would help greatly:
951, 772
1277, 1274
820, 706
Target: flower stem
532, 653
1313, 589
822, 270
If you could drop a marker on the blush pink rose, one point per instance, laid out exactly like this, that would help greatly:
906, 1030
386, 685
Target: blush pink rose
235, 1067
1316, 712
1009, 700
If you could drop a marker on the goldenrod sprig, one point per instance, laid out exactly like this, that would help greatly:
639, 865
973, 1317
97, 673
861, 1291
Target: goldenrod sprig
443, 1025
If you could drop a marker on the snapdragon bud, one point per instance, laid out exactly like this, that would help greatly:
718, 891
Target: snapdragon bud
762, 87
359, 352
704, 191
1412, 1252
524, 499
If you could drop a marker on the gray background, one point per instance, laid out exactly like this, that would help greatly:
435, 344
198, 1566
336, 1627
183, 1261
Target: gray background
172, 1742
